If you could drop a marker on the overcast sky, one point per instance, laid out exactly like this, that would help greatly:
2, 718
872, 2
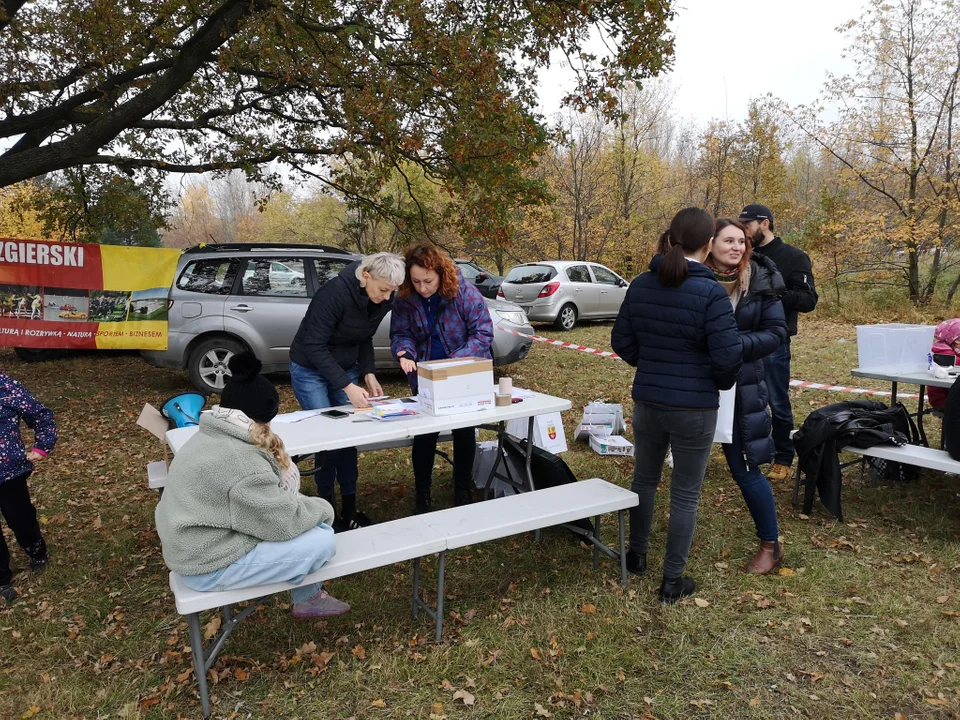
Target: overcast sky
729, 51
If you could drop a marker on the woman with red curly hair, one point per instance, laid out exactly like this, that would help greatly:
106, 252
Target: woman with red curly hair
439, 315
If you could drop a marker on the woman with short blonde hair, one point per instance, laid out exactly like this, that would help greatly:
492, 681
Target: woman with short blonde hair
333, 351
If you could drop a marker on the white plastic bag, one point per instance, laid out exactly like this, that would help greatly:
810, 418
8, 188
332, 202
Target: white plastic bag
724, 432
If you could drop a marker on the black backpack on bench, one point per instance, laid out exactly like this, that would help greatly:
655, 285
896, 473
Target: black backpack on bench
548, 470
892, 425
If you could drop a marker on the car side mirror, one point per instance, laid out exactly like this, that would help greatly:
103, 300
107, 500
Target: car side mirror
480, 278
622, 283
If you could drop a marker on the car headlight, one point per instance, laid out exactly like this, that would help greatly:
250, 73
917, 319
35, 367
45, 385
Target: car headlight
517, 317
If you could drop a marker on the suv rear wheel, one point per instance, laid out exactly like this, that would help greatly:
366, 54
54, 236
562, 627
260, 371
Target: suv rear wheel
208, 363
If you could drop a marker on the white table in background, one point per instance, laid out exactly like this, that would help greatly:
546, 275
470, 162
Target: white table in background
923, 379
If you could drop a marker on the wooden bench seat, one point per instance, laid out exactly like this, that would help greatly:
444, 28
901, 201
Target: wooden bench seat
413, 538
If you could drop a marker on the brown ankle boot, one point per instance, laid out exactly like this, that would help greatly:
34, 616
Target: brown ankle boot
766, 560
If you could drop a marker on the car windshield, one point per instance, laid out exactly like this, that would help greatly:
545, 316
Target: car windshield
526, 274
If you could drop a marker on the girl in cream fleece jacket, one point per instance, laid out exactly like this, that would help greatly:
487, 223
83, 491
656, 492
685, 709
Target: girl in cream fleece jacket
231, 514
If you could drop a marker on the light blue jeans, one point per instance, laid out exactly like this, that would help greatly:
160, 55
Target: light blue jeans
272, 562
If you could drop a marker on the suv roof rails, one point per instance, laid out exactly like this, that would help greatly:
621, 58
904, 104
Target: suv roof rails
235, 247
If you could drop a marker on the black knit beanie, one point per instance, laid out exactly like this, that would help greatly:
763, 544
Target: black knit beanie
249, 391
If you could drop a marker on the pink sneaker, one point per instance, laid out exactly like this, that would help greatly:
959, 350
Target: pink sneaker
321, 605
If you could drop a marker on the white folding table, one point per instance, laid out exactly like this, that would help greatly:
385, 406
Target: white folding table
319, 434
923, 379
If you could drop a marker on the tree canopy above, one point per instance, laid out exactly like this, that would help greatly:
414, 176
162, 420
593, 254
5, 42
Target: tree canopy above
234, 84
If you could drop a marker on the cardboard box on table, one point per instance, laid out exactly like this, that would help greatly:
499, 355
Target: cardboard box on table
449, 387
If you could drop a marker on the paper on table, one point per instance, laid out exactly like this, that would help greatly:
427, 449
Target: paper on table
296, 416
521, 393
398, 405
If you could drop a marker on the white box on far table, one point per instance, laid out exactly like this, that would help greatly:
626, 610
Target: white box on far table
894, 347
449, 387
613, 445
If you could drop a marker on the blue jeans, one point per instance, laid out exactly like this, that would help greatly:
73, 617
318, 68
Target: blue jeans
776, 367
689, 433
272, 562
313, 392
754, 487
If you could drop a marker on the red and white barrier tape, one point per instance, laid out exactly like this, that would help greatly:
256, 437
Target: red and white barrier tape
793, 383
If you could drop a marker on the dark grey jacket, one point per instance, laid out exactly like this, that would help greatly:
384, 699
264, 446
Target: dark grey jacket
337, 331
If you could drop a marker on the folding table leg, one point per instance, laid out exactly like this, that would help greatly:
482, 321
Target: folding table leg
199, 662
440, 590
623, 548
528, 464
923, 434
418, 604
596, 546
416, 586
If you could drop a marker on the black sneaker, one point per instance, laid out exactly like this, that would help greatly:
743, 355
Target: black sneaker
38, 565
462, 496
8, 593
672, 589
636, 563
422, 503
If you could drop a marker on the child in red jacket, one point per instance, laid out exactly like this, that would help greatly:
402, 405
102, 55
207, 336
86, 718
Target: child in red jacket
946, 341
16, 465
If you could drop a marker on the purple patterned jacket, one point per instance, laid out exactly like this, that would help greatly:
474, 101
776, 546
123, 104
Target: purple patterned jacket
466, 329
17, 403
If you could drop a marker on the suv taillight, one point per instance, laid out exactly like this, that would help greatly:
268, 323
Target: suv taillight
500, 293
549, 289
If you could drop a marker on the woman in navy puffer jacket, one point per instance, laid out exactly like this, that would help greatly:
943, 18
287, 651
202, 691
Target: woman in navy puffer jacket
676, 327
754, 286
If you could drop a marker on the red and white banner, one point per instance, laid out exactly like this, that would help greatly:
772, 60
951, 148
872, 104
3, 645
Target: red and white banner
793, 383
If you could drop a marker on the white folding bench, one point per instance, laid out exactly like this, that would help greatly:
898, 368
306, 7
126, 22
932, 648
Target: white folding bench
916, 455
412, 538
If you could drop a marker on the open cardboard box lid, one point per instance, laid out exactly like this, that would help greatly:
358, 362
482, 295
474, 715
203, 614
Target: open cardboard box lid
154, 422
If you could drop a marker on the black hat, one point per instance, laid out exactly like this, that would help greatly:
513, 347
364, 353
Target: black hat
249, 391
755, 212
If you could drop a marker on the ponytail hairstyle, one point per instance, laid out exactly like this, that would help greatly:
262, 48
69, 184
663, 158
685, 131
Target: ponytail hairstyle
690, 230
264, 438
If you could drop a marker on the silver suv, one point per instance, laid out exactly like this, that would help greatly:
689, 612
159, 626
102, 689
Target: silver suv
564, 291
227, 298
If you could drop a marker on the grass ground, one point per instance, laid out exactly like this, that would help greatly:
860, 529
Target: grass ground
863, 622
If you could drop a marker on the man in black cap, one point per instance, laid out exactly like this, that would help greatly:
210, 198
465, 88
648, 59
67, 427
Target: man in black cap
800, 296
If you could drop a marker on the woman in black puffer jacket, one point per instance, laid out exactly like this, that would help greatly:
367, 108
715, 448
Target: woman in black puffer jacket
754, 286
